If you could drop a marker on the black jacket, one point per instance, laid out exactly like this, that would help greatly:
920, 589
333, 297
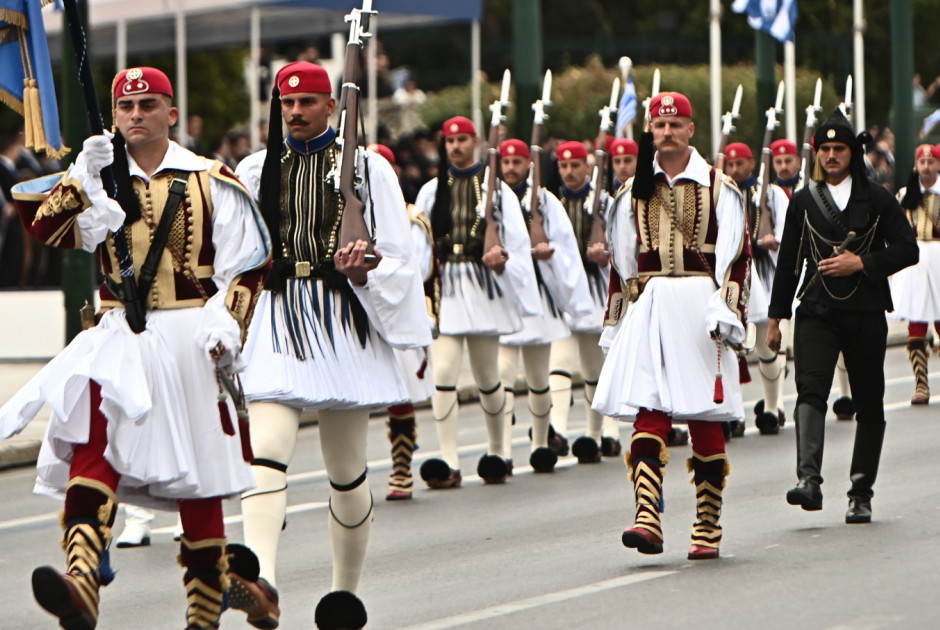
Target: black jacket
893, 248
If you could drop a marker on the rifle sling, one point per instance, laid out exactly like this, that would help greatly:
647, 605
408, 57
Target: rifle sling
148, 270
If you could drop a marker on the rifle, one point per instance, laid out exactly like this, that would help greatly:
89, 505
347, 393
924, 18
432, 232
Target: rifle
134, 309
599, 223
537, 226
498, 109
766, 165
352, 225
812, 112
727, 128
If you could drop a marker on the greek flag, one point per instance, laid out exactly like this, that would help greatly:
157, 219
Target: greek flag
776, 17
929, 123
626, 111
26, 83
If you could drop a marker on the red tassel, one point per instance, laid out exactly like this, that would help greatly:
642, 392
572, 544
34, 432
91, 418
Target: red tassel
745, 373
424, 366
245, 434
719, 390
227, 427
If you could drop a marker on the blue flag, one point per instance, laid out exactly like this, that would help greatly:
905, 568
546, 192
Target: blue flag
776, 17
626, 112
26, 74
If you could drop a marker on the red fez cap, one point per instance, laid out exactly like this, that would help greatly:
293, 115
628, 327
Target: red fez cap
737, 150
670, 104
458, 124
303, 76
927, 150
513, 147
623, 146
141, 80
571, 150
384, 151
783, 147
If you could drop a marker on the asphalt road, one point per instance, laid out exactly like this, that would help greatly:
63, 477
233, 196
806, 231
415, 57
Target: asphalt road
543, 551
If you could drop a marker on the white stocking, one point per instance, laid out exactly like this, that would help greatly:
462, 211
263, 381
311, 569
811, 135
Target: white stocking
343, 443
446, 360
273, 437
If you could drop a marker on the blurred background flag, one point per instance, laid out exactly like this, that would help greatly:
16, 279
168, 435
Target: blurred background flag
776, 17
626, 112
26, 74
929, 123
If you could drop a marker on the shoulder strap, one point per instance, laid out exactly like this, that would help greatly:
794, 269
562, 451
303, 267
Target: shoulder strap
148, 270
827, 207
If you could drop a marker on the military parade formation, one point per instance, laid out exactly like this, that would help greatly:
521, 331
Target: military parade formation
235, 300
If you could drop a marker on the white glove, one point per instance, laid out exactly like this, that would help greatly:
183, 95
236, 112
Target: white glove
98, 152
217, 327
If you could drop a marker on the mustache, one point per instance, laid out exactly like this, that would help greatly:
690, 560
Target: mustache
297, 120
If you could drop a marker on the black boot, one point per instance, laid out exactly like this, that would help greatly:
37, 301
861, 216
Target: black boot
869, 437
810, 435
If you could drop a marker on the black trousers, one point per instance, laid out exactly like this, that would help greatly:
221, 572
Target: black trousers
820, 334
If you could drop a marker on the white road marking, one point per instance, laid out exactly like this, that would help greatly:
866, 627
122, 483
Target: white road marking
521, 605
869, 623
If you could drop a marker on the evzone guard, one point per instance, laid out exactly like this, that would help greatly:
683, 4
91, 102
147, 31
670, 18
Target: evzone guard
678, 239
140, 413
916, 289
413, 362
581, 348
765, 235
562, 288
485, 292
329, 318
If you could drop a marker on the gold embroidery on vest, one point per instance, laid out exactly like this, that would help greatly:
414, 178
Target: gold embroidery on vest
185, 244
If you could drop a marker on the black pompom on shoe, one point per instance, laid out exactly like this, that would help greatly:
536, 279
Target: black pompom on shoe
340, 610
586, 450
843, 408
543, 460
439, 475
492, 469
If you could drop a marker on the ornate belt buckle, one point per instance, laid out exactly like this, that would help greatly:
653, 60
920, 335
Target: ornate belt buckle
302, 269
458, 249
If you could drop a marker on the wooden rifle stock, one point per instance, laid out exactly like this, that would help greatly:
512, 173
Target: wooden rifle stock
491, 235
598, 223
537, 225
352, 225
766, 168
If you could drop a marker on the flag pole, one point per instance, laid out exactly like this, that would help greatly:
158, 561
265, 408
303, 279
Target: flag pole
858, 49
133, 308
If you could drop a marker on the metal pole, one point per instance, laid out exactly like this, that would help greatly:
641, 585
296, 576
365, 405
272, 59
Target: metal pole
714, 29
254, 88
858, 74
902, 73
789, 99
527, 61
121, 44
78, 266
182, 95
